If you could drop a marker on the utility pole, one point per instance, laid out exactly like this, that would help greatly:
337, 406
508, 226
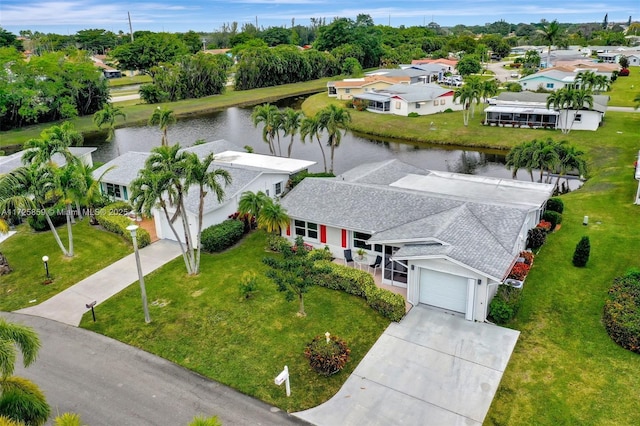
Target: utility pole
130, 27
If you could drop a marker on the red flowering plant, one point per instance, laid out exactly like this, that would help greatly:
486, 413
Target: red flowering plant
519, 271
544, 225
527, 256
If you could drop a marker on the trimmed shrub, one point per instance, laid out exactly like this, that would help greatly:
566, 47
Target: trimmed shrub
413, 115
118, 207
581, 254
222, 236
390, 305
113, 221
327, 358
300, 176
536, 237
544, 225
38, 222
553, 217
624, 72
555, 204
247, 219
360, 283
505, 304
621, 314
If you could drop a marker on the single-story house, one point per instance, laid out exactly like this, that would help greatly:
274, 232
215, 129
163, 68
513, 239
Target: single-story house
349, 87
404, 99
449, 239
448, 64
11, 162
426, 73
529, 109
249, 172
634, 59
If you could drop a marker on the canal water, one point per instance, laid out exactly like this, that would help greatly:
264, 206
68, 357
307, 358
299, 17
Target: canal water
234, 125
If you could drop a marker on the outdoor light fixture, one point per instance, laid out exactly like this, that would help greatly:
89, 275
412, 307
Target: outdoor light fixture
132, 229
45, 259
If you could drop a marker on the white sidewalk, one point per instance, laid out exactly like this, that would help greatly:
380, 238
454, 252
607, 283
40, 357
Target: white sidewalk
69, 306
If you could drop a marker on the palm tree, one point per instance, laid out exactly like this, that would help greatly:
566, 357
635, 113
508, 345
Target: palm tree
71, 186
267, 115
53, 140
467, 95
251, 203
488, 88
569, 159
562, 99
21, 399
107, 116
30, 188
550, 32
92, 194
197, 173
310, 126
579, 99
163, 118
475, 87
273, 217
333, 119
290, 124
516, 159
545, 157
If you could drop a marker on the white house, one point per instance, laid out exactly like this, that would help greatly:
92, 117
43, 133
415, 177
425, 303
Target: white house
529, 110
249, 172
404, 99
450, 239
11, 162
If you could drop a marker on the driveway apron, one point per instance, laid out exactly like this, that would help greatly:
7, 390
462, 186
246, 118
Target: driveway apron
432, 368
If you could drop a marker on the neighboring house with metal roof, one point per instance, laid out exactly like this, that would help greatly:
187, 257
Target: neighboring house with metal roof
404, 99
249, 172
11, 162
450, 239
529, 110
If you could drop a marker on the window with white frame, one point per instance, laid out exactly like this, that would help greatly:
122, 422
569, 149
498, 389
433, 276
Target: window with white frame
347, 90
549, 85
435, 103
306, 229
578, 118
114, 190
442, 101
278, 188
417, 105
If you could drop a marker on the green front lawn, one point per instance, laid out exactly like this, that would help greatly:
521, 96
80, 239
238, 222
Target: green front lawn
624, 89
201, 323
94, 250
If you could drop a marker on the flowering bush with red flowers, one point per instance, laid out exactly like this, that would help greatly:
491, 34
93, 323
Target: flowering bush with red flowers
544, 225
527, 256
519, 271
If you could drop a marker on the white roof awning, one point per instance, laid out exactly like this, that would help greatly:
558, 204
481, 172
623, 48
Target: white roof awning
521, 110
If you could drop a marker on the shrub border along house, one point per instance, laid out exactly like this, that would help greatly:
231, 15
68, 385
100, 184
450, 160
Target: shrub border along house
112, 218
222, 236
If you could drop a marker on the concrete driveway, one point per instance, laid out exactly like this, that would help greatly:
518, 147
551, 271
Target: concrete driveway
432, 368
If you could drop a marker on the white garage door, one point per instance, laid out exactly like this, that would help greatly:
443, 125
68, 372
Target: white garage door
443, 290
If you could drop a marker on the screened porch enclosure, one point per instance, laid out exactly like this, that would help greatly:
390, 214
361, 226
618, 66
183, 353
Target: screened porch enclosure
521, 117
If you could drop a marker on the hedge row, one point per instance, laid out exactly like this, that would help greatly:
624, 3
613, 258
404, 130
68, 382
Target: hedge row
505, 304
360, 283
222, 236
110, 219
621, 315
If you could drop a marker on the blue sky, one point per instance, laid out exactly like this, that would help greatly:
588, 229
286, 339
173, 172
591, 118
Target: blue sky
67, 17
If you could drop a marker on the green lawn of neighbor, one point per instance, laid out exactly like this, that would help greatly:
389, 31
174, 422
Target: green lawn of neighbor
94, 249
624, 89
201, 323
126, 80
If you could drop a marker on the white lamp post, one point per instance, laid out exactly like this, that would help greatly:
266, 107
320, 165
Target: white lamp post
133, 229
45, 260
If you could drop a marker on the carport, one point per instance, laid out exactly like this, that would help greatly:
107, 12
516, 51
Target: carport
432, 368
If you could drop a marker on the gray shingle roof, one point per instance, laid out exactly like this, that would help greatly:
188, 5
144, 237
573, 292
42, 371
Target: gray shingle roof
380, 173
125, 168
480, 235
11, 162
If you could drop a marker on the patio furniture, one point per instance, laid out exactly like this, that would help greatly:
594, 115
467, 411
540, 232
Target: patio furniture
361, 262
348, 257
376, 264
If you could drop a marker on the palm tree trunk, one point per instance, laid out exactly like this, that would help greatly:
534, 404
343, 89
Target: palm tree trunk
324, 157
203, 194
79, 210
55, 233
69, 229
165, 142
187, 237
332, 152
290, 147
175, 233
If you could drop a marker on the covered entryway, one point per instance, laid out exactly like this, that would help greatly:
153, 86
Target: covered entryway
446, 291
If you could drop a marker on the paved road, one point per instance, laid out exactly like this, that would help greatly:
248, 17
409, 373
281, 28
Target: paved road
109, 383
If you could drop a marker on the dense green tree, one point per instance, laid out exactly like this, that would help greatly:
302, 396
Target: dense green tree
275, 36
149, 50
97, 41
8, 39
469, 64
193, 41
